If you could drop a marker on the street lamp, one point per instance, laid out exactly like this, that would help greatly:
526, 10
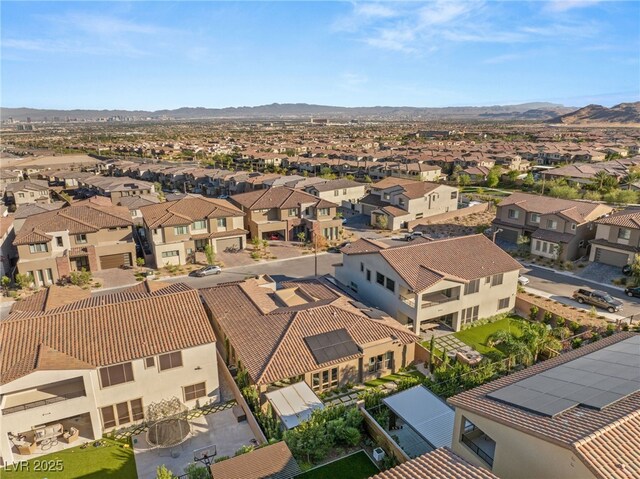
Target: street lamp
495, 233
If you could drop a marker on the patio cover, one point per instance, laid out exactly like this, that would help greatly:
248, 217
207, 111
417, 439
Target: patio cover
426, 413
294, 404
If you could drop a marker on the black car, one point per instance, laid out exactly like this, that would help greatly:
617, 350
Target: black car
635, 291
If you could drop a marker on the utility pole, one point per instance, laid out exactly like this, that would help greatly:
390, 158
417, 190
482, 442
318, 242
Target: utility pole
315, 252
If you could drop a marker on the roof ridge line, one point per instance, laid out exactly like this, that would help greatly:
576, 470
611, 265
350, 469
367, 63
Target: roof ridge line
279, 344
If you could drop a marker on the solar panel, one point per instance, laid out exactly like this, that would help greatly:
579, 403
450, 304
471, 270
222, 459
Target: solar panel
595, 380
330, 346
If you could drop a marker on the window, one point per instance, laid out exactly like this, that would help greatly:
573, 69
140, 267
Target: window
194, 391
537, 245
380, 279
391, 285
503, 303
552, 224
20, 195
149, 362
81, 239
353, 286
293, 212
137, 411
199, 225
624, 233
336, 192
472, 287
388, 360
544, 246
573, 226
368, 275
38, 248
222, 222
315, 381
334, 377
170, 254
361, 266
469, 315
59, 242
118, 374
535, 218
375, 363
170, 361
49, 275
513, 214
108, 417
123, 413
323, 212
496, 279
401, 201
454, 195
180, 230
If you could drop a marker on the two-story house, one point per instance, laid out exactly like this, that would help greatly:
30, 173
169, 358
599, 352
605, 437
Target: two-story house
393, 202
304, 330
283, 213
617, 239
87, 235
342, 192
116, 187
27, 192
571, 417
176, 230
72, 371
430, 282
556, 228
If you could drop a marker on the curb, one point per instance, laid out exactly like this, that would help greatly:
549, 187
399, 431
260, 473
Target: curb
572, 275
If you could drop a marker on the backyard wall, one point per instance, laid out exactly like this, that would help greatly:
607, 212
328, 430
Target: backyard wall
253, 424
525, 301
381, 437
422, 355
449, 215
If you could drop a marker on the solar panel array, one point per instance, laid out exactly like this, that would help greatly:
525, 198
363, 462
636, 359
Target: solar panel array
330, 346
595, 380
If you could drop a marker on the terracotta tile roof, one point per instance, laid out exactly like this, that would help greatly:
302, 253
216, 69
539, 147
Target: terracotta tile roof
28, 185
418, 189
393, 211
336, 185
268, 337
553, 236
629, 218
280, 197
578, 211
104, 330
82, 217
423, 264
442, 463
364, 245
187, 210
571, 428
270, 462
390, 181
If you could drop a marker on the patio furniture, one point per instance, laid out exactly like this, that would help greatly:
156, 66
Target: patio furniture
71, 435
26, 448
47, 434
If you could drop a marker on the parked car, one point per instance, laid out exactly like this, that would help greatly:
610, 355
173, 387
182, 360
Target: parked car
274, 237
598, 298
523, 280
634, 292
208, 271
413, 235
338, 248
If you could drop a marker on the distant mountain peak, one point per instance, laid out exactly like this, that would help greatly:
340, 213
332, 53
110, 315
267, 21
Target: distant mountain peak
624, 113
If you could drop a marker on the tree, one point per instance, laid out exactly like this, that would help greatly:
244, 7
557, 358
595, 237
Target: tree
302, 236
381, 222
23, 280
196, 471
493, 178
632, 177
529, 180
163, 473
635, 269
367, 179
513, 175
538, 338
140, 262
563, 191
592, 196
512, 346
463, 179
211, 256
621, 196
6, 281
80, 278
605, 181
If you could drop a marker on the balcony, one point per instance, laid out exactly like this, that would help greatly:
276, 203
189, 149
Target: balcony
43, 396
411, 302
480, 444
440, 297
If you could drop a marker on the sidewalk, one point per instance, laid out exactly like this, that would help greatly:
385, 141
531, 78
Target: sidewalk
572, 275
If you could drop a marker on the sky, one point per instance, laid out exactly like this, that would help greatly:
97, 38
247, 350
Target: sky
166, 55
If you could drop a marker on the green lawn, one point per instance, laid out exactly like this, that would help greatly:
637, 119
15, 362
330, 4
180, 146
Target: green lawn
477, 336
394, 377
112, 460
356, 466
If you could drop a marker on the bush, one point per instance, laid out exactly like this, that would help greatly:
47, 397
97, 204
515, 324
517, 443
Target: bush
243, 450
533, 313
80, 278
23, 280
196, 471
576, 343
574, 326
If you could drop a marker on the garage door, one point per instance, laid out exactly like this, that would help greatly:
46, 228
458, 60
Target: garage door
510, 236
613, 258
115, 260
225, 243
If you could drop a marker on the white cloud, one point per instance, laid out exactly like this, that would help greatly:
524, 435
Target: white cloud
556, 6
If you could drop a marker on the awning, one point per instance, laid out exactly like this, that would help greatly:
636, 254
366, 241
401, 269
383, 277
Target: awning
294, 404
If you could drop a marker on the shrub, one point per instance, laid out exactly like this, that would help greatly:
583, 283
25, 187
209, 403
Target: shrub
243, 450
560, 322
573, 326
80, 278
576, 343
163, 473
196, 471
23, 280
533, 313
548, 317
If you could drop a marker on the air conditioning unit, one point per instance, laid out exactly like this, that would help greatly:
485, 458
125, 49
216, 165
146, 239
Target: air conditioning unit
378, 454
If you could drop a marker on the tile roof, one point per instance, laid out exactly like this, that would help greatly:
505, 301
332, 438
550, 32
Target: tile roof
363, 246
629, 218
268, 336
442, 463
336, 185
274, 461
281, 197
187, 210
578, 211
81, 217
423, 264
591, 433
29, 185
104, 330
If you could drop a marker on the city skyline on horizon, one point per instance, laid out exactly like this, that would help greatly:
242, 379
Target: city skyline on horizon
130, 56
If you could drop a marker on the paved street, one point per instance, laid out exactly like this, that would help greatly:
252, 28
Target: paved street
561, 287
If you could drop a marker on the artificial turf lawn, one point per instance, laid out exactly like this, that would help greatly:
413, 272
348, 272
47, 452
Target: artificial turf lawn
394, 377
477, 336
109, 461
356, 466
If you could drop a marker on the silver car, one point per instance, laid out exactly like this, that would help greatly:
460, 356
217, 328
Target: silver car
208, 270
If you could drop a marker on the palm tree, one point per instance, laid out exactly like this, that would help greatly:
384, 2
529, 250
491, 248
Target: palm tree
538, 338
631, 178
513, 346
605, 180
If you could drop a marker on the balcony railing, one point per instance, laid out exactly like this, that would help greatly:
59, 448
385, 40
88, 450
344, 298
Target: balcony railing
440, 299
476, 449
408, 301
43, 402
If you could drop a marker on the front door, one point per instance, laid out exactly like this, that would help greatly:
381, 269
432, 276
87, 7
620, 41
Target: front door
81, 262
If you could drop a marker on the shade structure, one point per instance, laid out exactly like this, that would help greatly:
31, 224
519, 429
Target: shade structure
168, 424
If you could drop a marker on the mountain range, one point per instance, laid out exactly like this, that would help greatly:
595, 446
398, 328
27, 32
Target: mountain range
525, 111
624, 113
